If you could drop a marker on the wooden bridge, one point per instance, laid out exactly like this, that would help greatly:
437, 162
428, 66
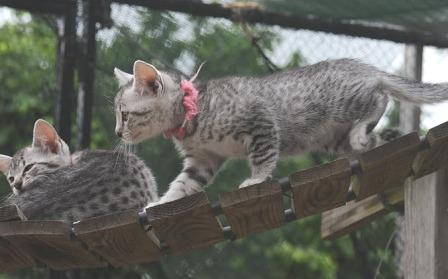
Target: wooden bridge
127, 238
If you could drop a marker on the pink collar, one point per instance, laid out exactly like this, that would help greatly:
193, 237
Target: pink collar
190, 102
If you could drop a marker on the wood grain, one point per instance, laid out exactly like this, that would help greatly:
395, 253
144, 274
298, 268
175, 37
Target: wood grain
186, 224
253, 209
426, 221
435, 156
11, 212
11, 258
386, 166
119, 238
49, 242
320, 188
348, 218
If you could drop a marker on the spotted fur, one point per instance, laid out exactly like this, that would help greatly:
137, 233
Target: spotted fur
331, 106
83, 185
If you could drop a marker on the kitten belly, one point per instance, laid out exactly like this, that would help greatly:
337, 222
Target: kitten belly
330, 137
227, 147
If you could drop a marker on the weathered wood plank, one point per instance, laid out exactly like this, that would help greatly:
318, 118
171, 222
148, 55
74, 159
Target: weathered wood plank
49, 242
436, 155
186, 224
12, 258
253, 209
426, 216
348, 218
320, 188
119, 238
409, 121
386, 166
11, 212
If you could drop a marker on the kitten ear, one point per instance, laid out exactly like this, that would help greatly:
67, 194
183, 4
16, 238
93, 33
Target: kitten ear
45, 137
146, 77
122, 77
5, 161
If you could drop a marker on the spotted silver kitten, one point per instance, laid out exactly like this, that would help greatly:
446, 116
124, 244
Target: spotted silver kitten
331, 106
50, 183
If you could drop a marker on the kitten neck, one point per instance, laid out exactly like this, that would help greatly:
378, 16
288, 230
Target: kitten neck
188, 105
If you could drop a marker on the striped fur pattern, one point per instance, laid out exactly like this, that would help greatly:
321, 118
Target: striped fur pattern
331, 106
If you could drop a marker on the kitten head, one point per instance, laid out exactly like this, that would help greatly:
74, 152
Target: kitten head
144, 104
47, 152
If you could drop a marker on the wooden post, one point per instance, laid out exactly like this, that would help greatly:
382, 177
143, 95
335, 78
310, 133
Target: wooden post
426, 200
65, 69
66, 63
86, 74
409, 113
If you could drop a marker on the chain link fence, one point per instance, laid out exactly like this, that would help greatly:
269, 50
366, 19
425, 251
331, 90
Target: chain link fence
287, 47
180, 42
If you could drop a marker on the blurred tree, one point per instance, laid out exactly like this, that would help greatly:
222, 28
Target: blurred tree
27, 81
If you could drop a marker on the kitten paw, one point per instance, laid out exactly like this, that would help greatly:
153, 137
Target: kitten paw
251, 181
360, 142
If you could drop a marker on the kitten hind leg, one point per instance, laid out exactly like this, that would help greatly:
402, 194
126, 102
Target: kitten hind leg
360, 140
361, 136
263, 157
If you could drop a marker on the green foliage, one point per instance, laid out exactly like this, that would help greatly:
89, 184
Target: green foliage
290, 260
216, 44
27, 79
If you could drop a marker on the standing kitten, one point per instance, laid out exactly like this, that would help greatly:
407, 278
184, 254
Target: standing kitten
49, 183
331, 106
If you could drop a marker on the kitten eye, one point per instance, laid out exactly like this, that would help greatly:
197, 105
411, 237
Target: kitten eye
27, 168
154, 86
124, 116
11, 179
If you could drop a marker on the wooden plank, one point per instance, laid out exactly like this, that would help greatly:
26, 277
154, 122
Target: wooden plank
409, 121
320, 188
11, 258
386, 166
348, 218
426, 216
119, 238
254, 208
436, 155
186, 224
11, 212
49, 242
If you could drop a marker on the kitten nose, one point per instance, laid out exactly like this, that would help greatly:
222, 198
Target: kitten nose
119, 133
18, 185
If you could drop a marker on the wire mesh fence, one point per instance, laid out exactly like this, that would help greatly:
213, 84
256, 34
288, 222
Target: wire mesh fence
179, 42
283, 47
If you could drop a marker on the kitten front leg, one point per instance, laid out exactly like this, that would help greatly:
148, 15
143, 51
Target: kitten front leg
199, 169
263, 155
